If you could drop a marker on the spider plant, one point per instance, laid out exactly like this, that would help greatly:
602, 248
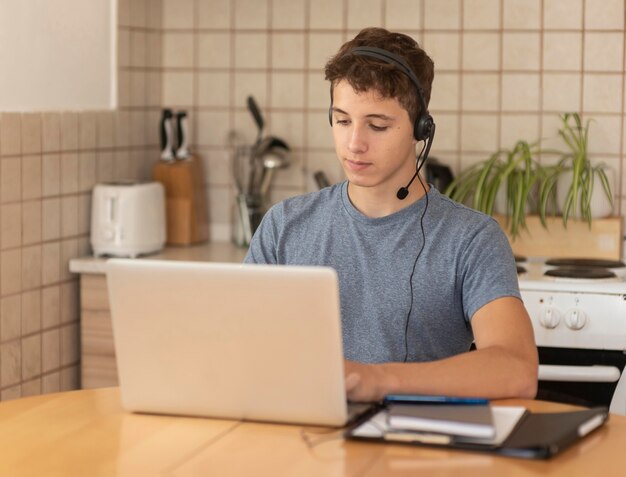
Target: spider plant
576, 160
478, 185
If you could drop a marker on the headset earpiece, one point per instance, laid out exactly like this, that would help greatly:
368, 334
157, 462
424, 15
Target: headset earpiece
330, 114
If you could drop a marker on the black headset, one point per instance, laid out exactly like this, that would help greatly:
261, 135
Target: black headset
424, 126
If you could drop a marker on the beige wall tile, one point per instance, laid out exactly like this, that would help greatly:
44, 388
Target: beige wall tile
69, 344
154, 45
86, 171
11, 317
69, 131
123, 47
481, 14
138, 13
219, 204
69, 302
214, 13
604, 134
214, 89
322, 46
402, 14
70, 378
214, 50
562, 51
251, 50
481, 92
288, 50
481, 51
154, 17
121, 165
105, 137
31, 267
604, 52
521, 14
51, 350
84, 213
10, 179
10, 134
31, 356
177, 89
152, 133
444, 49
287, 90
121, 128
51, 132
11, 225
31, 177
520, 51
14, 392
250, 84
251, 14
217, 166
31, 222
479, 133
327, 162
69, 216
178, 14
290, 128
318, 134
447, 138
446, 92
138, 90
31, 311
563, 14
288, 14
51, 306
213, 128
123, 88
51, 218
11, 363
177, 50
51, 271
138, 55
137, 128
604, 15
326, 14
105, 170
123, 12
31, 388
87, 127
69, 250
318, 91
153, 89
365, 13
520, 92
11, 271
602, 93
51, 383
442, 14
31, 133
69, 172
51, 175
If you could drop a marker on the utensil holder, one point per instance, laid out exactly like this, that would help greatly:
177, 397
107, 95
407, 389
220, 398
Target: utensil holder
247, 214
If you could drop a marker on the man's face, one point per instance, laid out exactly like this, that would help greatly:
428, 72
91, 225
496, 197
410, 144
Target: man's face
373, 138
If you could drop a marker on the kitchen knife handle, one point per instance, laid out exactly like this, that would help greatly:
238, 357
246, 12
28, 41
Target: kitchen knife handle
181, 126
166, 135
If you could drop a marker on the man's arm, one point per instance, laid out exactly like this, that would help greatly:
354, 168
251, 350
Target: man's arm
505, 363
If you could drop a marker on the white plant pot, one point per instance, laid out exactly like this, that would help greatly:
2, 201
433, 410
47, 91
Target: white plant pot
600, 205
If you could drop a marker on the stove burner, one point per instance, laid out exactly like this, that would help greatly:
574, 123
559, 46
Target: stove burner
520, 270
585, 262
580, 272
519, 258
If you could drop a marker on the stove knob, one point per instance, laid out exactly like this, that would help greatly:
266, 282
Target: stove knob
550, 317
575, 318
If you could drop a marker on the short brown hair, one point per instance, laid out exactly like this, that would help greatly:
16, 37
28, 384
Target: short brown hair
365, 73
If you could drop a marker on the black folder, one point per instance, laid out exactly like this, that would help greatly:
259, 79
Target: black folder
535, 436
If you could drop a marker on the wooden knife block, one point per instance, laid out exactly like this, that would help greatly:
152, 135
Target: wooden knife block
185, 200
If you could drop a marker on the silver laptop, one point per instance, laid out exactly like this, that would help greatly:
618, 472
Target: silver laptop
236, 341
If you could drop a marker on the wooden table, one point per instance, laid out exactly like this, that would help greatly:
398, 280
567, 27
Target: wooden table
86, 433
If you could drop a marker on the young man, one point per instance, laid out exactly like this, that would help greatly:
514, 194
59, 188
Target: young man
421, 277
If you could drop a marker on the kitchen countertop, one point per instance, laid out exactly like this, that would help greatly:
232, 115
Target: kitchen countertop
207, 252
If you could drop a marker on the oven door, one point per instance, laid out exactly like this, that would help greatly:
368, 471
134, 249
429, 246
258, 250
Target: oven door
583, 377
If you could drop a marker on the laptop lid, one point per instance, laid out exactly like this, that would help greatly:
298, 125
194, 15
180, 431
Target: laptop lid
259, 342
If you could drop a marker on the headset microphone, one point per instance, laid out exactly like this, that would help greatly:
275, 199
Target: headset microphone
403, 192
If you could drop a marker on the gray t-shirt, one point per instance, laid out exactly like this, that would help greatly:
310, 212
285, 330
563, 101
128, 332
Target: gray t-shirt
466, 262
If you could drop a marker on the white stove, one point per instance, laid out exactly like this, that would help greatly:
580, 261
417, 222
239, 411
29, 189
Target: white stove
580, 328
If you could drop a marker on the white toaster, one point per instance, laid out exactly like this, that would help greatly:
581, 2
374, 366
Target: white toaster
127, 218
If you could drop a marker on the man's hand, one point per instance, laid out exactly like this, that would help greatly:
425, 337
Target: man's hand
365, 382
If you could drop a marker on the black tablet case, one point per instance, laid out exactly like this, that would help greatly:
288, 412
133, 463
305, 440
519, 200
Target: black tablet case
536, 436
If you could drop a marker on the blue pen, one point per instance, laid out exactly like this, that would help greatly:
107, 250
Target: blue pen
426, 399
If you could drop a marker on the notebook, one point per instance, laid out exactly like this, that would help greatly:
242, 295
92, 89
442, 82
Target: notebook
255, 342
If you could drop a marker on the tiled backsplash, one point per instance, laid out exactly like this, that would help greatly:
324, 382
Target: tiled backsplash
504, 70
